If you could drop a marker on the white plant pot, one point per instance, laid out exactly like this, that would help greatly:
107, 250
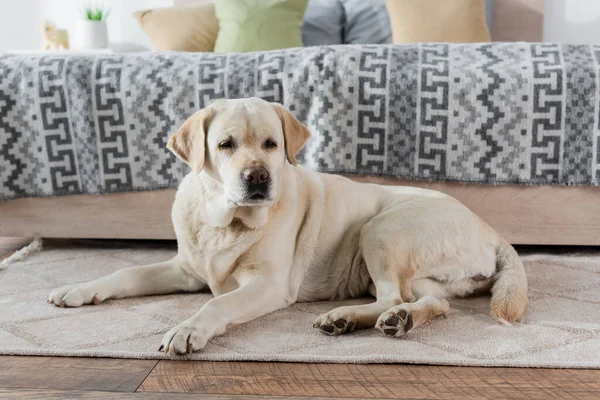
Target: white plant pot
90, 35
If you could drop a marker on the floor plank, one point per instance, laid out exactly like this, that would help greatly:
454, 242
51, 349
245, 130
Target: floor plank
83, 394
370, 381
66, 373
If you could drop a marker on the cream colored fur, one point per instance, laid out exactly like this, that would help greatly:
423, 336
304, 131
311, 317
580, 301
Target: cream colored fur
313, 237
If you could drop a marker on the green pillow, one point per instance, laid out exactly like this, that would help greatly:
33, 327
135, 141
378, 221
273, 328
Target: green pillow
254, 25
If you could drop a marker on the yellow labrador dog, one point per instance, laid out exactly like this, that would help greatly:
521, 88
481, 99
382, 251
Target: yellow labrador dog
263, 233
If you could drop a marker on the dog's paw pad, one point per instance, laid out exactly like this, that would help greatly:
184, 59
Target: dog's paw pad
329, 330
390, 331
336, 327
396, 325
340, 323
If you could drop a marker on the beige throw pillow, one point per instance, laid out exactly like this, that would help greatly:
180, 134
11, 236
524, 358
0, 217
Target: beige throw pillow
458, 21
181, 28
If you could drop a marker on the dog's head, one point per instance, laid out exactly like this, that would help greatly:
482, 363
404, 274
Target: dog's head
244, 144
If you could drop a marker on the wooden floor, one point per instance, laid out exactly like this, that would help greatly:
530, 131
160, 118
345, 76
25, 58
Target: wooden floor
64, 377
67, 377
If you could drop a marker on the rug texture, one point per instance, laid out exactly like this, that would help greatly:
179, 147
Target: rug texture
561, 327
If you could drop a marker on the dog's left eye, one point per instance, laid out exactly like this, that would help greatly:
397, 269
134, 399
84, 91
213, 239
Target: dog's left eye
226, 144
270, 144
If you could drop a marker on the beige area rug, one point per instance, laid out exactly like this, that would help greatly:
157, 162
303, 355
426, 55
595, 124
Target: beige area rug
561, 327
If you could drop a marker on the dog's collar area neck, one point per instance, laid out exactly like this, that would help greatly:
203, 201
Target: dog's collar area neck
210, 179
251, 217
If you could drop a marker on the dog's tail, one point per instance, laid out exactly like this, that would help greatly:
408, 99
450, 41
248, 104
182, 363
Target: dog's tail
509, 290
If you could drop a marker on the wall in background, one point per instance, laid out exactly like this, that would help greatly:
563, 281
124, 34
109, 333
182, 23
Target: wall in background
186, 3
21, 21
572, 21
20, 26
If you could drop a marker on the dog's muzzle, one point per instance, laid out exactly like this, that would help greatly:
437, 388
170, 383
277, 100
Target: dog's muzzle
256, 181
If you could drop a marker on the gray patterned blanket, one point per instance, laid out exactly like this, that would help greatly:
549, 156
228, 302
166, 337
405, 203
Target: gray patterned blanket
486, 113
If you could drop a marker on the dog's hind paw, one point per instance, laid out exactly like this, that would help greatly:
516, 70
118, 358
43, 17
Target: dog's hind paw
395, 322
400, 319
333, 325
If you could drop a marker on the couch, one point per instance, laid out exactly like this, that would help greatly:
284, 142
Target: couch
510, 129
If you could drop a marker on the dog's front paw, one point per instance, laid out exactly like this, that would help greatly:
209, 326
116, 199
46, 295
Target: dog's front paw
184, 339
73, 296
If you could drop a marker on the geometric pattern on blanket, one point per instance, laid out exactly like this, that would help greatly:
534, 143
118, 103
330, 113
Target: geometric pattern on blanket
495, 113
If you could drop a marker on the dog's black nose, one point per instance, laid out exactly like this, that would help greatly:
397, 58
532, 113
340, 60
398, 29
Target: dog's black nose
256, 175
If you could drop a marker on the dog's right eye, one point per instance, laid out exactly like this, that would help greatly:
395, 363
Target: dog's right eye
226, 144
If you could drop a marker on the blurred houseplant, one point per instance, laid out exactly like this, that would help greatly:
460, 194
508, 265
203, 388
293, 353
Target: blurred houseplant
91, 31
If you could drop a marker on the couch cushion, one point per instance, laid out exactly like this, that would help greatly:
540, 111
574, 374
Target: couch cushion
254, 25
180, 28
323, 23
366, 22
460, 21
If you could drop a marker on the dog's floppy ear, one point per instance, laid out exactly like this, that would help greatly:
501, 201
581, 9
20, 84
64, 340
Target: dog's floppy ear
294, 132
188, 143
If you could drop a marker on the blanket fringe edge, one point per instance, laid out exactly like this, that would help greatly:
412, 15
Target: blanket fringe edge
21, 254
